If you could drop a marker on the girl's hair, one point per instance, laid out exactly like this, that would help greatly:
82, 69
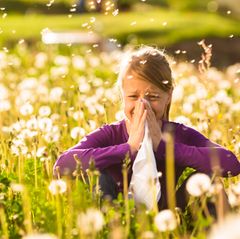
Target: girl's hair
149, 64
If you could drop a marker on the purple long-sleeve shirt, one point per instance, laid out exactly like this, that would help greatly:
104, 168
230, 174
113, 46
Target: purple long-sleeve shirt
108, 147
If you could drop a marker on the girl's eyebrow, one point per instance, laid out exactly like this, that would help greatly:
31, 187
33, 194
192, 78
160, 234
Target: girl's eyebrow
152, 93
131, 92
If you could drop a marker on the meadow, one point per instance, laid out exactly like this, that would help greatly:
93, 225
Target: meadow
51, 97
144, 24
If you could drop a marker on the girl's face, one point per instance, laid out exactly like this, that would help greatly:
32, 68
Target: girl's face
135, 89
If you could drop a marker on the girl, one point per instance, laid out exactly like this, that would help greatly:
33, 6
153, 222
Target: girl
146, 86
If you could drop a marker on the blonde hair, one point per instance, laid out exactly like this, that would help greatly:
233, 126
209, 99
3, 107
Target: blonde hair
149, 64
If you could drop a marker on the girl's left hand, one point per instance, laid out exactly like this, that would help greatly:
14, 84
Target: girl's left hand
154, 127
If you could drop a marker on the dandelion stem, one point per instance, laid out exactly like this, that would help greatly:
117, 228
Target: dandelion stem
90, 180
19, 169
126, 200
97, 188
170, 171
59, 215
203, 200
35, 167
69, 212
27, 211
3, 222
221, 202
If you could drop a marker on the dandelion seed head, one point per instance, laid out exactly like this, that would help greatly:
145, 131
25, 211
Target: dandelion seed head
226, 228
5, 105
77, 132
44, 111
148, 235
73, 9
235, 188
4, 15
26, 109
183, 120
16, 187
233, 198
92, 19
115, 12
198, 184
45, 124
52, 137
57, 186
56, 94
91, 221
215, 189
5, 49
40, 236
85, 24
165, 220
84, 87
40, 60
187, 108
41, 151
2, 195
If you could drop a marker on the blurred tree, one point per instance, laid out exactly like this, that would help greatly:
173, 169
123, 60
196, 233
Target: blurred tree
232, 5
95, 5
81, 6
188, 4
36, 6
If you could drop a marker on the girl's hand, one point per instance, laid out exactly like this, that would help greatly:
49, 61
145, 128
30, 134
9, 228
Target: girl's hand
154, 126
136, 127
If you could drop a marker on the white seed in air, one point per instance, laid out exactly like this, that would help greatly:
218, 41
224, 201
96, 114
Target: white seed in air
133, 23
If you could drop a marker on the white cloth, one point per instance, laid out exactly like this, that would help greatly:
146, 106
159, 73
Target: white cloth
145, 184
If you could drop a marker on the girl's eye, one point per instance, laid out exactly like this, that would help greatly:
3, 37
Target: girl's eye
133, 97
153, 97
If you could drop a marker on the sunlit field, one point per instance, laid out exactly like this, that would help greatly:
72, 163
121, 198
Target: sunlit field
50, 98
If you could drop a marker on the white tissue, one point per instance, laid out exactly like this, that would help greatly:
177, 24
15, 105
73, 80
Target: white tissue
145, 184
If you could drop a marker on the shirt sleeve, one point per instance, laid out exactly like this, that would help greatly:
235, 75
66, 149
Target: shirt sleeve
99, 146
196, 151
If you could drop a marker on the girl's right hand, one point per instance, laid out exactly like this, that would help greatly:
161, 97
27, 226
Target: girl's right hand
136, 127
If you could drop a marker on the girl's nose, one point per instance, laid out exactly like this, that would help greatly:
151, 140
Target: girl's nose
145, 100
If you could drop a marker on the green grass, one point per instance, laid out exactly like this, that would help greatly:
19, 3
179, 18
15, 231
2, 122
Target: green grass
149, 28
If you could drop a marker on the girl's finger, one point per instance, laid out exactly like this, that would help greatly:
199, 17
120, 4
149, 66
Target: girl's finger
151, 118
142, 120
141, 109
136, 112
136, 107
149, 108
